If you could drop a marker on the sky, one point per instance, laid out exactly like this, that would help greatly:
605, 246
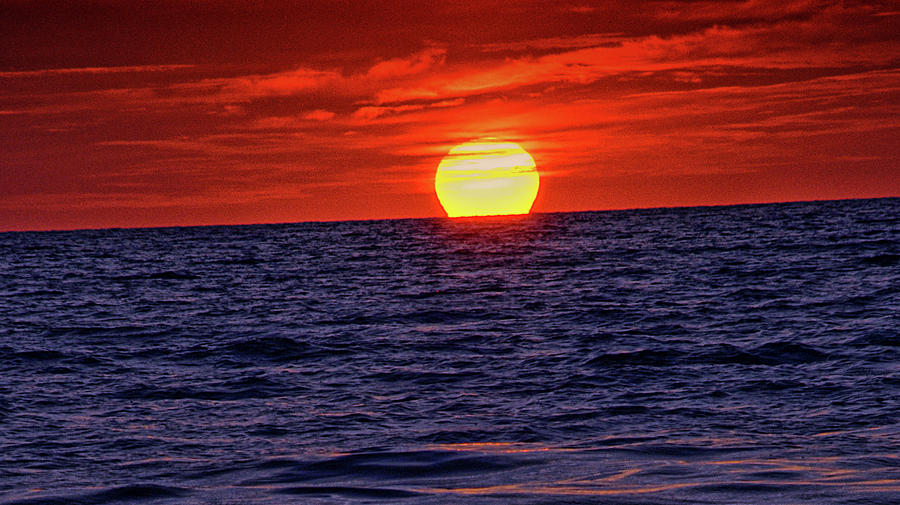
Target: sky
170, 113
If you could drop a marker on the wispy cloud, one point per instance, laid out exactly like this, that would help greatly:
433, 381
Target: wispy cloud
93, 70
412, 65
549, 43
319, 115
731, 12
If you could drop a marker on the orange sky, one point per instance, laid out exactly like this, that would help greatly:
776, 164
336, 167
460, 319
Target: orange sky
120, 114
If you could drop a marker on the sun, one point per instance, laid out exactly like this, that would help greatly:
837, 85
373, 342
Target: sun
486, 178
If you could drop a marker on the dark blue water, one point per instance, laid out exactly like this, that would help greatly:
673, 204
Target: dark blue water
740, 354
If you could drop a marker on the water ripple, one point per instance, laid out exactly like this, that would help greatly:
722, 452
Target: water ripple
714, 355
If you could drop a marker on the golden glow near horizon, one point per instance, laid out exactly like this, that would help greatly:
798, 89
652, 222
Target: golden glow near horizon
486, 178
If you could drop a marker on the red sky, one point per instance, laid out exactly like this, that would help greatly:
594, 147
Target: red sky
157, 113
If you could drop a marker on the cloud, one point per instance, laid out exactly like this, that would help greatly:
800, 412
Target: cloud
549, 43
275, 122
319, 115
828, 40
731, 12
449, 103
373, 112
93, 70
246, 88
412, 65
792, 36
582, 9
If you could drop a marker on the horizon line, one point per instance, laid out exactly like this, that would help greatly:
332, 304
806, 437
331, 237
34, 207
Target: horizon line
623, 209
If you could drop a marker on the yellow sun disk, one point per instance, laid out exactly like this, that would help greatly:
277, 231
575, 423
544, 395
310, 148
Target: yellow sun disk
486, 179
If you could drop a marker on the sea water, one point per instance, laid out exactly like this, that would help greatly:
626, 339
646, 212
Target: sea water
741, 354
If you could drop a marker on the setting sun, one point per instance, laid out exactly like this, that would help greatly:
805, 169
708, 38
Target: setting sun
486, 178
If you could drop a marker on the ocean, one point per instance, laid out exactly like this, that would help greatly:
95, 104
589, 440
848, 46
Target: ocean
740, 354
